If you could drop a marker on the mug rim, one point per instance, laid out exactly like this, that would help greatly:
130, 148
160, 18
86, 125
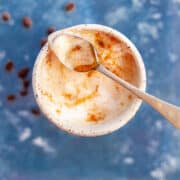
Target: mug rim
141, 70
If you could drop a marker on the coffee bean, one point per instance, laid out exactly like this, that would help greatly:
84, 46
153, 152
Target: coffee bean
5, 16
27, 22
9, 66
11, 97
70, 6
50, 30
22, 73
35, 111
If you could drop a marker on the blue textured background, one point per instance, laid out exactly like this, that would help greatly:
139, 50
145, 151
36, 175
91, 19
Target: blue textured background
148, 147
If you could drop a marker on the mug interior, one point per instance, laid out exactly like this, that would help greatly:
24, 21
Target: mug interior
102, 127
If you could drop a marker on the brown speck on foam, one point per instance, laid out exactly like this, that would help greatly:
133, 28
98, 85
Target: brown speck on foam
117, 87
107, 56
84, 68
43, 41
58, 110
68, 95
95, 117
109, 46
47, 95
9, 66
69, 6
92, 117
100, 43
5, 16
27, 22
83, 99
113, 39
22, 73
95, 114
97, 34
128, 56
11, 97
48, 61
50, 30
122, 103
130, 97
90, 73
35, 111
76, 48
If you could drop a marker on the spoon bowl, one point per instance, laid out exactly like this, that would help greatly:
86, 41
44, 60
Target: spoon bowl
74, 52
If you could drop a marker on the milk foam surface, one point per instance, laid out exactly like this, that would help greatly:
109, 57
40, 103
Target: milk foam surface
87, 102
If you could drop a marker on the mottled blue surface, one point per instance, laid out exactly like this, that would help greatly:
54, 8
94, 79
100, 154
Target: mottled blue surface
148, 147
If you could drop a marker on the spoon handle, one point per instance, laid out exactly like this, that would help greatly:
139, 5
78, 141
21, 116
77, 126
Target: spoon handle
169, 111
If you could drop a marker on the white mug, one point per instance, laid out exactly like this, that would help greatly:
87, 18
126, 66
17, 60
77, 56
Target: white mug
86, 128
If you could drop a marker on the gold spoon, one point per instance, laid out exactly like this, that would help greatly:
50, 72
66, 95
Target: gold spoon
80, 55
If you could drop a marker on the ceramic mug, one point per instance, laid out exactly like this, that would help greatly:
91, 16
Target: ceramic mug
80, 127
